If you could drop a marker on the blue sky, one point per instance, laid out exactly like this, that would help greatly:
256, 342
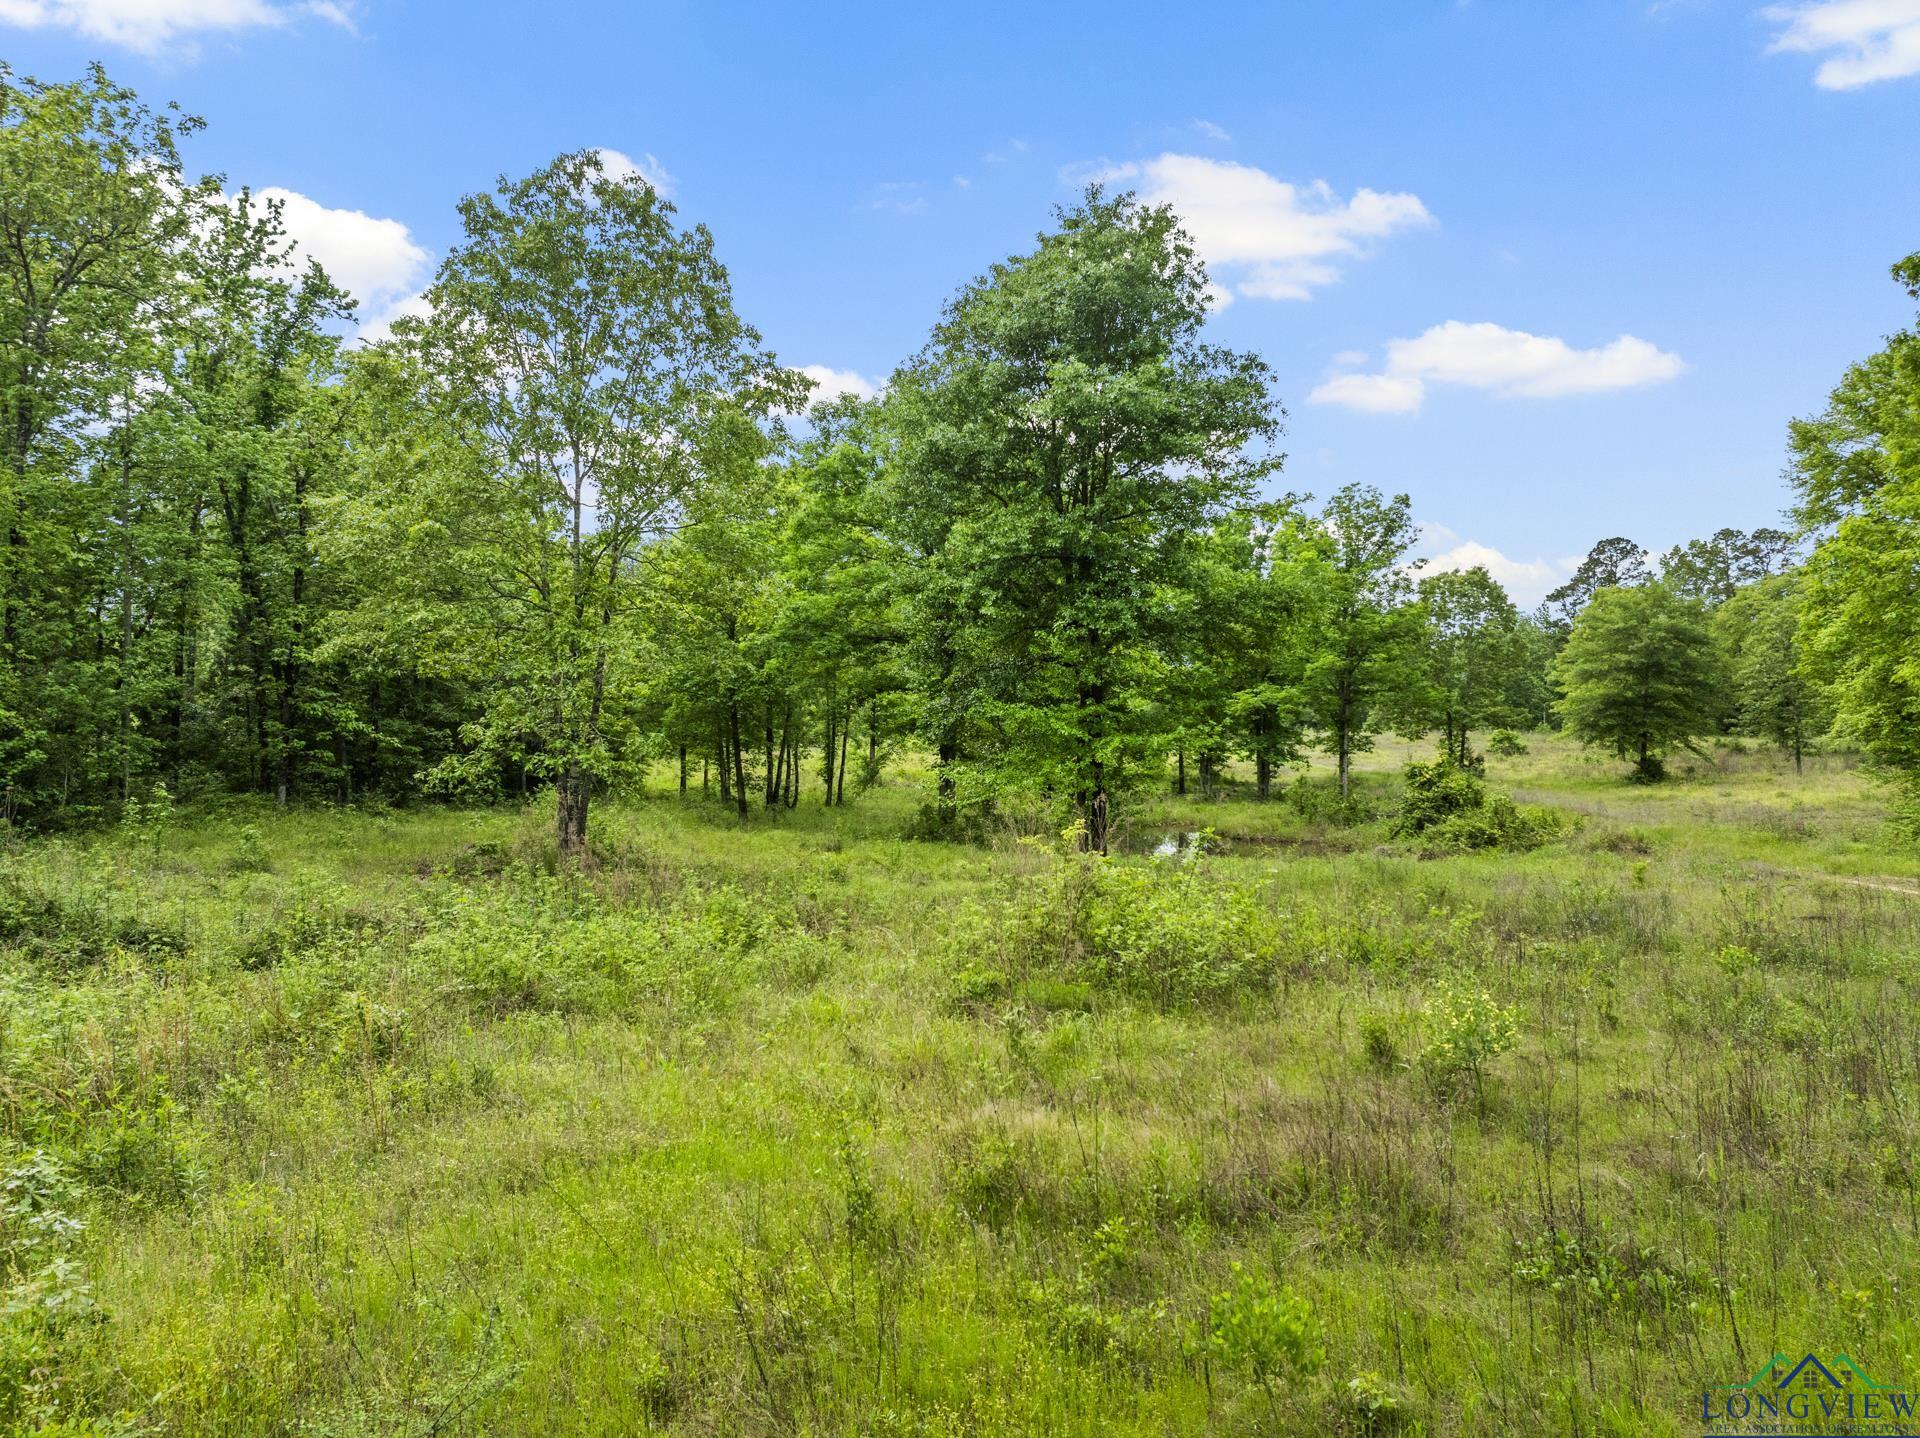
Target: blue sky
1557, 270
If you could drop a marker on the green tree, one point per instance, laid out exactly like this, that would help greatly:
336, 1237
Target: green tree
1639, 674
1758, 628
95, 212
580, 382
1611, 564
1474, 652
1856, 467
1711, 570
1368, 635
1062, 439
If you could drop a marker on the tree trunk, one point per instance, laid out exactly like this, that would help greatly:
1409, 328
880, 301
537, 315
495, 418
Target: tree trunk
947, 811
833, 740
573, 791
1097, 810
739, 763
1263, 772
1180, 772
683, 771
840, 780
770, 774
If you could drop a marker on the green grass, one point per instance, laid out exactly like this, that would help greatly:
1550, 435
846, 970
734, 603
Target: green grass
376, 1125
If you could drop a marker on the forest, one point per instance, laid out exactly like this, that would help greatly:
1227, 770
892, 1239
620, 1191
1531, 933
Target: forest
548, 881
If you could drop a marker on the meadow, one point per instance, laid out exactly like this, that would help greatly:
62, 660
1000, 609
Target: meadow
377, 1121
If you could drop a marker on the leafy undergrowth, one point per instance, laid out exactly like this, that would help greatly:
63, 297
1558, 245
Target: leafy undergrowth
362, 1123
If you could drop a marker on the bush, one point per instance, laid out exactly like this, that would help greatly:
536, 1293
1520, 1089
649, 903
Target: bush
1452, 811
1270, 1332
1171, 934
1506, 743
1467, 1030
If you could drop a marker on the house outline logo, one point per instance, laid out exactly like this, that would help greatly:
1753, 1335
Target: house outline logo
1786, 1396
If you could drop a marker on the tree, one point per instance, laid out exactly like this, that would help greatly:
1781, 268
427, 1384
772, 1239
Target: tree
1611, 564
1063, 438
1711, 570
94, 214
1856, 468
1368, 632
580, 380
1474, 652
1235, 680
1758, 629
1639, 674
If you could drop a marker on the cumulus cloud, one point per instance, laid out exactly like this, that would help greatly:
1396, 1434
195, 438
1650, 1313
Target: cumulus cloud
1525, 580
1500, 361
375, 260
1864, 41
830, 384
1277, 240
153, 25
618, 166
1372, 393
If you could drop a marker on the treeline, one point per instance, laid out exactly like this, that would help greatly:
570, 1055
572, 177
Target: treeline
576, 523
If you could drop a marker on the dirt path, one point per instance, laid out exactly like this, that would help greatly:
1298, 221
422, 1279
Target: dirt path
1885, 886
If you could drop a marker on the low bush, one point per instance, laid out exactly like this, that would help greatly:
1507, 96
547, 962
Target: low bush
1451, 810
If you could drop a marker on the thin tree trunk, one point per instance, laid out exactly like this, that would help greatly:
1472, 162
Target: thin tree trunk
1180, 772
833, 740
683, 771
575, 788
739, 764
840, 793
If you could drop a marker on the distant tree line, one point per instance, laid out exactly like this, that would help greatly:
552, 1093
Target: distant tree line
575, 524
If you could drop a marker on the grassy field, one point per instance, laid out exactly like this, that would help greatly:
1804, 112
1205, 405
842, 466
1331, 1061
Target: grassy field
343, 1123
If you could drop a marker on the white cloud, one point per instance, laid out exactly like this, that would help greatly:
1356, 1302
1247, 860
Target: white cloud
1372, 393
152, 25
378, 324
618, 166
1864, 40
1212, 131
1525, 580
1501, 361
1282, 240
377, 261
830, 384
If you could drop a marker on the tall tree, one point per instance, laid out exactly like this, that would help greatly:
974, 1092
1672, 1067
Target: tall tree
1710, 570
1474, 653
1856, 467
1758, 629
1611, 564
1639, 674
95, 211
1368, 634
583, 378
1076, 433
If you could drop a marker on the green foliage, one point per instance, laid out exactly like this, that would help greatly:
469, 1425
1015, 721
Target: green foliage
1466, 1031
1639, 674
1451, 809
1506, 744
1267, 1331
1062, 441
1856, 467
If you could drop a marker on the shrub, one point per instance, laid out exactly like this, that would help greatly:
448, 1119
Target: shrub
1376, 1033
1268, 1331
1467, 1031
1451, 810
1506, 743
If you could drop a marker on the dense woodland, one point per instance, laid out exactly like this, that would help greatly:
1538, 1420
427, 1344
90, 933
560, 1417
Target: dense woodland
578, 528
